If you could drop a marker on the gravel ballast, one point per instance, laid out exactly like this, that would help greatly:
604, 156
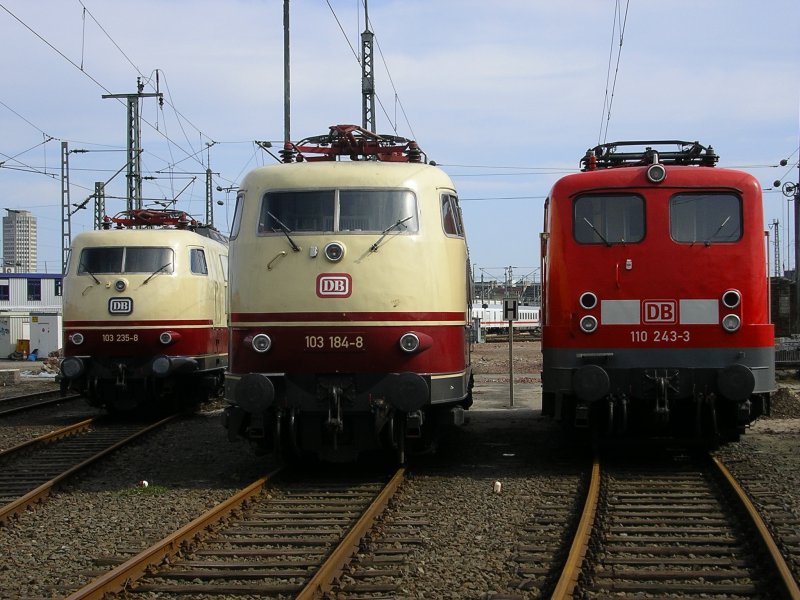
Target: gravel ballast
104, 515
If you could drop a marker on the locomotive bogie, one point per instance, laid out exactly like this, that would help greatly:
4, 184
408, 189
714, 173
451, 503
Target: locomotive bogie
349, 309
145, 316
658, 399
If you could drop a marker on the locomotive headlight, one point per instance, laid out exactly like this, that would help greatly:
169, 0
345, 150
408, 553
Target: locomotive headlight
588, 324
656, 173
731, 323
334, 251
169, 337
76, 338
409, 342
588, 300
731, 298
414, 341
120, 285
261, 342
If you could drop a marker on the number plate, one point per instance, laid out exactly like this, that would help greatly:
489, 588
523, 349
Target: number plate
340, 342
120, 338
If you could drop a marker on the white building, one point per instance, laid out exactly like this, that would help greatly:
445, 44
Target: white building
31, 292
19, 241
30, 310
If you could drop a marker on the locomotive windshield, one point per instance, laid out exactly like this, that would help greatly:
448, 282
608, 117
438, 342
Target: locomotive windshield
125, 260
353, 210
702, 217
609, 219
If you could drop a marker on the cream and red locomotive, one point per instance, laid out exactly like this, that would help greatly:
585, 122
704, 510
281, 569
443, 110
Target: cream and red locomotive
349, 307
145, 312
656, 307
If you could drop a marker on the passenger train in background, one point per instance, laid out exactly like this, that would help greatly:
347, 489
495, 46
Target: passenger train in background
349, 316
490, 318
145, 312
655, 306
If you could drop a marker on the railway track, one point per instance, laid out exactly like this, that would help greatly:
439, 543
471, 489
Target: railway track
539, 552
519, 336
770, 486
32, 469
676, 528
17, 404
277, 537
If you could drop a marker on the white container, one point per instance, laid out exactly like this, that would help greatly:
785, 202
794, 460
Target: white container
13, 326
46, 333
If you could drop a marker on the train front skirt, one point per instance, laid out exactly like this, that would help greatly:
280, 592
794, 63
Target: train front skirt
695, 399
336, 417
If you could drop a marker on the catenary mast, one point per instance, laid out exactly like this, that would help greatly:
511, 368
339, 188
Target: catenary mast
367, 76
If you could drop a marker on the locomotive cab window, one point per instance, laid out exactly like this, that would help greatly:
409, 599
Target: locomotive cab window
197, 260
125, 260
347, 210
609, 219
451, 216
237, 215
707, 218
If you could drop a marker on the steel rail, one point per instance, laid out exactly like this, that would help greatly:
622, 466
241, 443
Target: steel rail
44, 490
569, 576
323, 579
56, 434
19, 409
117, 579
31, 396
787, 579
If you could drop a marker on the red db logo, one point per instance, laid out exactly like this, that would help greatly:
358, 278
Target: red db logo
334, 285
660, 311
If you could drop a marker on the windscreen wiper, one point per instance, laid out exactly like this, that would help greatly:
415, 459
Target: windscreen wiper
286, 231
156, 272
85, 270
386, 231
713, 235
600, 235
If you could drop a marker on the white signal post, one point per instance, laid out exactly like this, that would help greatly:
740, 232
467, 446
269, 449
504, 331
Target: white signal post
510, 314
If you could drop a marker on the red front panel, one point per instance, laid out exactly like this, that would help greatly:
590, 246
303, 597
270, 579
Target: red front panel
141, 338
650, 336
655, 270
348, 349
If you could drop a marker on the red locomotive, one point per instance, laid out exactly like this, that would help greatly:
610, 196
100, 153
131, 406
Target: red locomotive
655, 295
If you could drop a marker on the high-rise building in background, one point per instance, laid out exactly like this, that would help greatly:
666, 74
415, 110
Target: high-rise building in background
19, 241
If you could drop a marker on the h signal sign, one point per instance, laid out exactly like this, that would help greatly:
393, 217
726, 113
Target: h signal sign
510, 310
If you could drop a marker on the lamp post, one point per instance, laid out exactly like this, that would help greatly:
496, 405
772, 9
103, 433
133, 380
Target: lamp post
792, 190
227, 190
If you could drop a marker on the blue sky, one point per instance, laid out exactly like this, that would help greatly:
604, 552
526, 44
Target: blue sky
506, 96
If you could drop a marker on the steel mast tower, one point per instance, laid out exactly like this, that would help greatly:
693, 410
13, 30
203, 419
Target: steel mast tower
66, 221
287, 134
99, 204
367, 76
776, 269
134, 175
